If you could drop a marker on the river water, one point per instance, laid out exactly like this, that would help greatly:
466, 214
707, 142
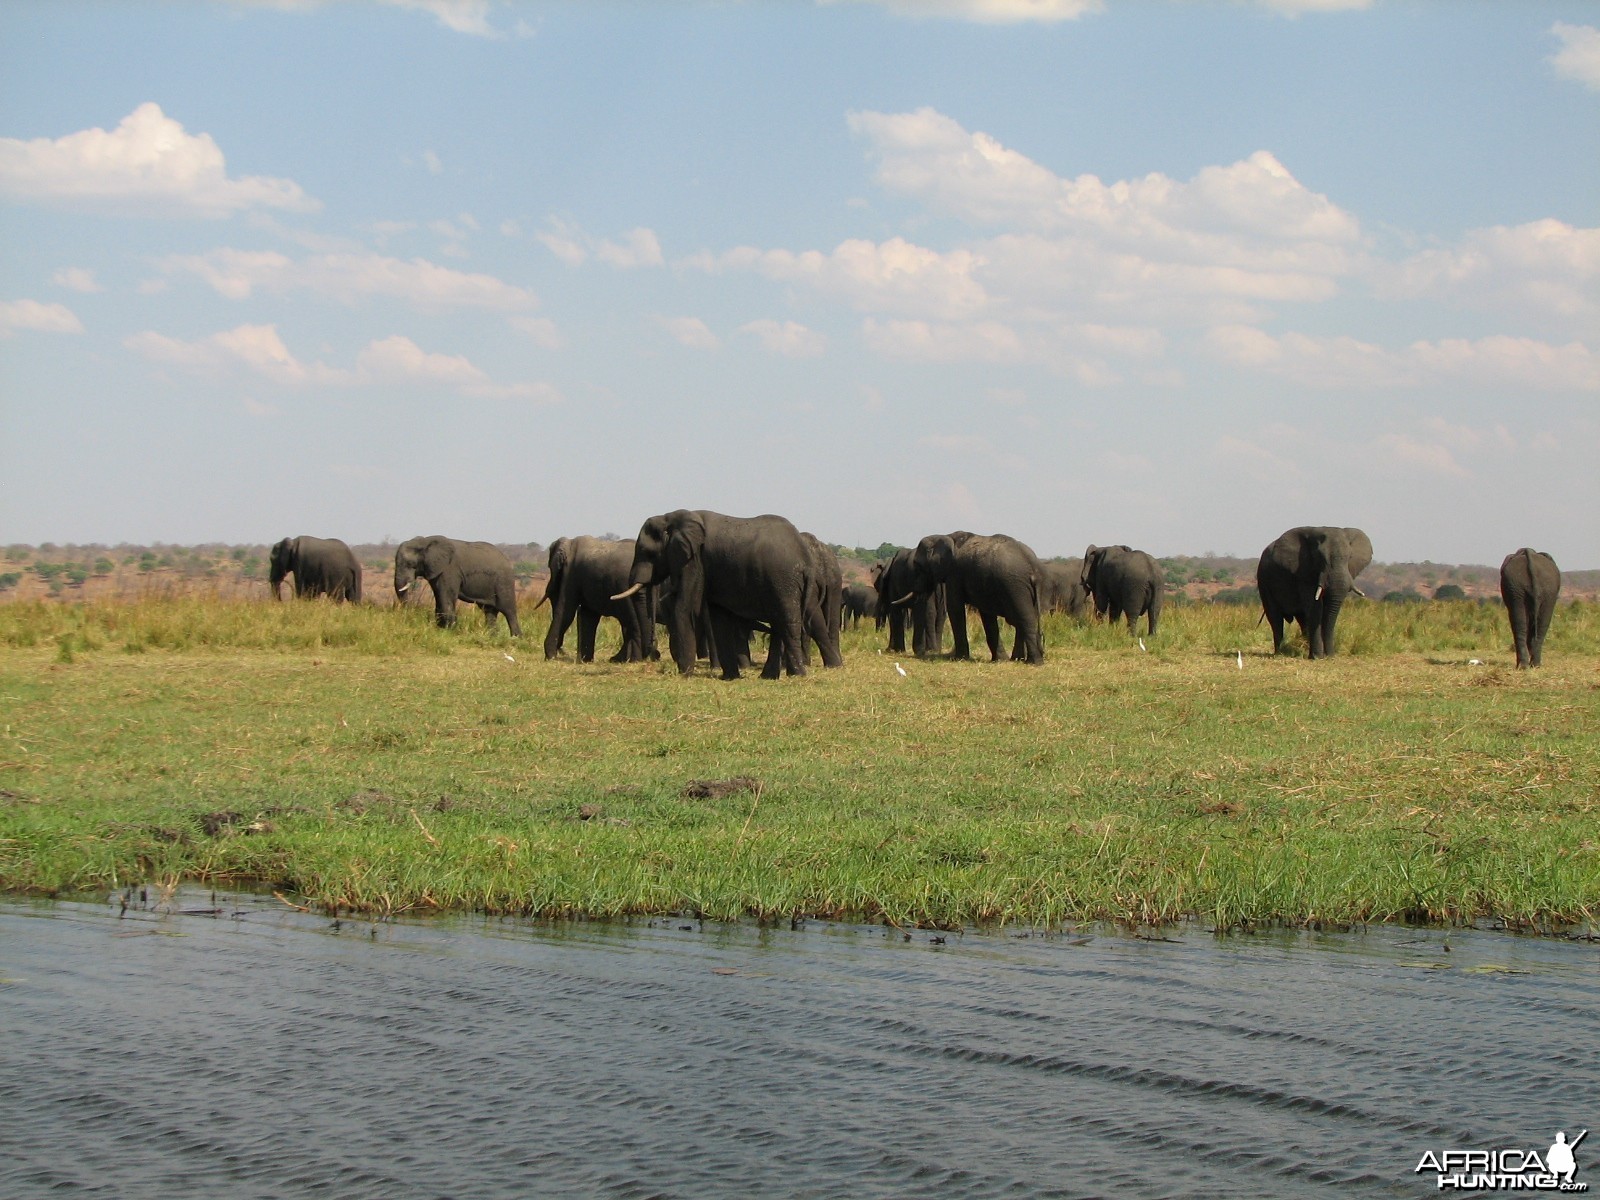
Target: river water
255, 1051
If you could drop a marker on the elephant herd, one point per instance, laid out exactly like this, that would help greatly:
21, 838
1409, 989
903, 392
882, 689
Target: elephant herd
713, 581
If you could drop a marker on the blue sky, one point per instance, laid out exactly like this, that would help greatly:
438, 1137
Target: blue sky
1165, 272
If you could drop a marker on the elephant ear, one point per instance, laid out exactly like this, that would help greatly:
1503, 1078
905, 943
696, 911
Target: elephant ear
1091, 560
558, 554
437, 554
685, 541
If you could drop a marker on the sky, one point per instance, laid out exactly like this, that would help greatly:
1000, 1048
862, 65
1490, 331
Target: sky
1171, 273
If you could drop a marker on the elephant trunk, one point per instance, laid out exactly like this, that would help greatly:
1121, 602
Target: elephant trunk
1333, 595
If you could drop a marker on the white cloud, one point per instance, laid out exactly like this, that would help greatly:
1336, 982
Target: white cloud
147, 166
432, 163
255, 347
1055, 257
894, 276
787, 338
636, 248
37, 317
565, 241
974, 177
1579, 56
396, 360
1293, 8
541, 331
1545, 265
349, 277
639, 248
460, 16
1347, 362
76, 279
981, 341
691, 332
987, 12
1409, 453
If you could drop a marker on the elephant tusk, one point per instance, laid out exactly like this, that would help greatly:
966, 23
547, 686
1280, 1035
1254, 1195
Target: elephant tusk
1319, 592
542, 599
402, 589
1359, 592
624, 595
904, 600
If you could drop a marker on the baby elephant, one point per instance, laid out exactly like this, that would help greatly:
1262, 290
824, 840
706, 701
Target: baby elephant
1530, 581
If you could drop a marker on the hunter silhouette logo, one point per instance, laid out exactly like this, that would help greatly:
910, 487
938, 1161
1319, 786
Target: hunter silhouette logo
1508, 1170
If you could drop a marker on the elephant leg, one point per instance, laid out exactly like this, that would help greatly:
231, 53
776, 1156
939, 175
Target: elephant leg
955, 599
1541, 625
444, 605
1029, 640
826, 636
1275, 619
560, 621
897, 633
588, 623
1311, 626
729, 635
789, 636
629, 651
507, 604
991, 633
1520, 615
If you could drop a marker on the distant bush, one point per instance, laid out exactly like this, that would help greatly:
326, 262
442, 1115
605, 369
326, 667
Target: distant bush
104, 566
77, 574
1449, 591
1239, 595
10, 580
525, 570
1405, 596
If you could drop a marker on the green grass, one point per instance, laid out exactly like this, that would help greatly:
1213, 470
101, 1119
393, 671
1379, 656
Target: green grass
363, 760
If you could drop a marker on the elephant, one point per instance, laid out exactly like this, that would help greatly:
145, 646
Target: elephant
584, 574
928, 611
1306, 575
1530, 581
320, 566
472, 571
857, 600
997, 575
736, 572
1126, 582
824, 601
1063, 590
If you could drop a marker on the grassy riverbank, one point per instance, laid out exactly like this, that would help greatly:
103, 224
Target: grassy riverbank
358, 758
